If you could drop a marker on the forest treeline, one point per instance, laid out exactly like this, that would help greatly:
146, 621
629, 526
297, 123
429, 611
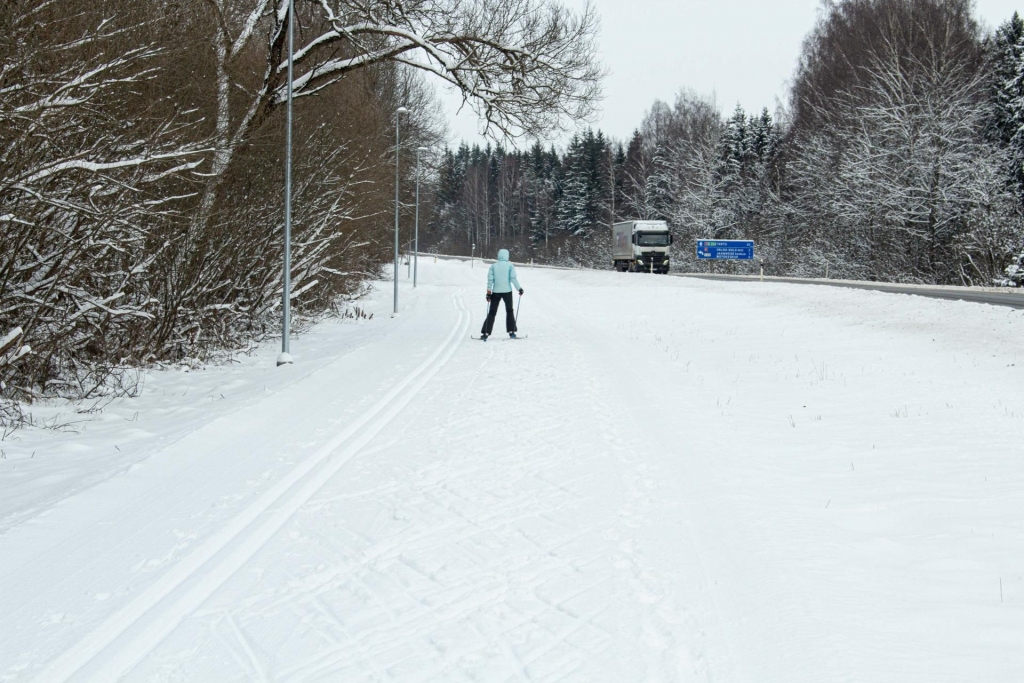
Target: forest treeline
142, 162
899, 157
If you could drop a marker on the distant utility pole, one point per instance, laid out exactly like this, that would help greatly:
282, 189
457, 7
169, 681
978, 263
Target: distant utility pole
285, 357
398, 117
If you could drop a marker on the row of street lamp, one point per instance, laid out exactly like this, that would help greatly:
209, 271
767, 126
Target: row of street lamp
416, 240
285, 358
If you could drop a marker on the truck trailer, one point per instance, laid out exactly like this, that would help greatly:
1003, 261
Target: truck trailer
641, 246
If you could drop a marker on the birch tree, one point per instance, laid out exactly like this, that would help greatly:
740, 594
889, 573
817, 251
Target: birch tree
525, 66
913, 187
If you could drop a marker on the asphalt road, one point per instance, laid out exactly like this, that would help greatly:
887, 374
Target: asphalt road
1010, 297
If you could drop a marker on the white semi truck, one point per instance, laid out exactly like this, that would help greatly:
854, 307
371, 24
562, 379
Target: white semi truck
641, 246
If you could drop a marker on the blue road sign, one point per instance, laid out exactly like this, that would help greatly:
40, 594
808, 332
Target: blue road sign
725, 249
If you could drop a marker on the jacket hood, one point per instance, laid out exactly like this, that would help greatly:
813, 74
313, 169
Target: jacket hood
503, 254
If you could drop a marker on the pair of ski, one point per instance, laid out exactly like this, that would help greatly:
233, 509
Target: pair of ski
515, 338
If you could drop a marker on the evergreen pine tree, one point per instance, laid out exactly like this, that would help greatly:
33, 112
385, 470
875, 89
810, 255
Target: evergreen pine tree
734, 149
572, 205
762, 137
449, 213
1006, 51
598, 185
634, 179
1006, 125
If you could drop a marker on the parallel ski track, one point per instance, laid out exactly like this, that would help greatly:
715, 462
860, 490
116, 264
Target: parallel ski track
211, 564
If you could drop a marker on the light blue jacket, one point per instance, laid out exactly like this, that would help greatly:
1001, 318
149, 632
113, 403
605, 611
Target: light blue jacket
502, 275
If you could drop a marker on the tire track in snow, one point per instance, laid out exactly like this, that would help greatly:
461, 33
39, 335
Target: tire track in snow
214, 562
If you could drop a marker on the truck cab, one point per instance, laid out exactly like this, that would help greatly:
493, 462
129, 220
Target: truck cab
641, 246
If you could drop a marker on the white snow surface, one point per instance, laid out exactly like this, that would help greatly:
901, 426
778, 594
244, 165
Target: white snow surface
670, 480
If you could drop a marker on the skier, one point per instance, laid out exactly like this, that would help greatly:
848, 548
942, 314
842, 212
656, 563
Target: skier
500, 278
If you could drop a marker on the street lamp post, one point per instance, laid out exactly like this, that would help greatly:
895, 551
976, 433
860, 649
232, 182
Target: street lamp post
416, 238
398, 117
285, 357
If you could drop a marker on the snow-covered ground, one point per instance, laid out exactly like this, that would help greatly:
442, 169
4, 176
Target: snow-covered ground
670, 480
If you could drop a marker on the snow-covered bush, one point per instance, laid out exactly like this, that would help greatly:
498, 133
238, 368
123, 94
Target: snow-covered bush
141, 159
1014, 272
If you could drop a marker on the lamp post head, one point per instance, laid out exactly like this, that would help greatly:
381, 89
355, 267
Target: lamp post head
422, 149
401, 110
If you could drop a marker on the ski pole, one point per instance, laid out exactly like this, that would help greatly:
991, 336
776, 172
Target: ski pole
518, 301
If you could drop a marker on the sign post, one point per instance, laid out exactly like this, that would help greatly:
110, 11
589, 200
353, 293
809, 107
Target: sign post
722, 250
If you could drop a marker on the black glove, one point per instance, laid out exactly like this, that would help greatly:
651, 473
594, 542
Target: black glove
520, 291
488, 296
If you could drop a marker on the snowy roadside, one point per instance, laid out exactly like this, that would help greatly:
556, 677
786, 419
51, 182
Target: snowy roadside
846, 463
39, 466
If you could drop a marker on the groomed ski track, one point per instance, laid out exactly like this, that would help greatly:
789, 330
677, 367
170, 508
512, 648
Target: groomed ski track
674, 480
224, 553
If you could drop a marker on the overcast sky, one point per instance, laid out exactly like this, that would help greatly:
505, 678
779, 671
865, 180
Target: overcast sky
742, 51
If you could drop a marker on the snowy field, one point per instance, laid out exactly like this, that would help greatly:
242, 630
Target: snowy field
670, 480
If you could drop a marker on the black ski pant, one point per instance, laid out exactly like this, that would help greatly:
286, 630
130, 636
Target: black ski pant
492, 313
